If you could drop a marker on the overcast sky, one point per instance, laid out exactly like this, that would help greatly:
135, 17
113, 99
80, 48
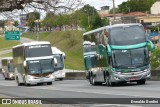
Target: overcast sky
98, 3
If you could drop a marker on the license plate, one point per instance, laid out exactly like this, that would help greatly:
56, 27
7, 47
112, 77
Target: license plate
133, 78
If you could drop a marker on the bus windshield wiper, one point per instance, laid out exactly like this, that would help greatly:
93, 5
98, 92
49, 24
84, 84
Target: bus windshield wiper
122, 66
139, 65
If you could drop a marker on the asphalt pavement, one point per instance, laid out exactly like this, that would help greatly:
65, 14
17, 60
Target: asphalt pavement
80, 89
74, 89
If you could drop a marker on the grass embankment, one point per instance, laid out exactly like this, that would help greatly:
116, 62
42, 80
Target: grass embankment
6, 55
69, 42
7, 43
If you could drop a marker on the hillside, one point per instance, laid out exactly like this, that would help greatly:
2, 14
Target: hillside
69, 42
7, 43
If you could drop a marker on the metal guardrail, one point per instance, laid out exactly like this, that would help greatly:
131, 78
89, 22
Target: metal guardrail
79, 74
71, 70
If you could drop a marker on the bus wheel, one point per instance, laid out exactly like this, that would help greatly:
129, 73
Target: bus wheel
60, 79
93, 80
49, 83
140, 82
109, 83
25, 83
19, 84
90, 79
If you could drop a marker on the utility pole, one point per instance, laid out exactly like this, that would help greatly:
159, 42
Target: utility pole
37, 29
114, 18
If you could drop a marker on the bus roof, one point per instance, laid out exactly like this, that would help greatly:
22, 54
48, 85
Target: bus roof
56, 51
111, 26
8, 58
33, 43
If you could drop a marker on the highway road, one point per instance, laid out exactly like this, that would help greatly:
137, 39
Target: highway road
81, 89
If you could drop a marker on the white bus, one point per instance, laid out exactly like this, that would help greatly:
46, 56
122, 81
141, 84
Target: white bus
7, 68
59, 72
34, 63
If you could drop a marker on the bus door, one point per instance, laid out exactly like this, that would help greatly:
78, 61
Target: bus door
102, 61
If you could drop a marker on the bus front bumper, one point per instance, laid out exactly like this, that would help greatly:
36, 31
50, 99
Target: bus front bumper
130, 77
36, 80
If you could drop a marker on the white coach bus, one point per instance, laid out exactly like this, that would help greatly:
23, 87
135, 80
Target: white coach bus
7, 68
34, 63
59, 73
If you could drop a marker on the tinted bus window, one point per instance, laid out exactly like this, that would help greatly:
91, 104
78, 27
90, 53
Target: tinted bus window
38, 50
127, 35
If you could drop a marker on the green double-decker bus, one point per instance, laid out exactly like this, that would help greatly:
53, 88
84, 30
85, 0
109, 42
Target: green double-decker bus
117, 54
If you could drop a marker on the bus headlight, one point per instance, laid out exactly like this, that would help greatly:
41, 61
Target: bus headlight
51, 76
148, 69
30, 77
10, 75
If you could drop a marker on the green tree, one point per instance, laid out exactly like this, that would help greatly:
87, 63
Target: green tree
31, 17
75, 18
136, 5
50, 20
89, 18
105, 22
16, 23
116, 10
2, 23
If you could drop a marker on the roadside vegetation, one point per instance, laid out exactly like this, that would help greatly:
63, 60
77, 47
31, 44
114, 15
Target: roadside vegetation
86, 17
134, 6
69, 42
6, 55
155, 59
4, 44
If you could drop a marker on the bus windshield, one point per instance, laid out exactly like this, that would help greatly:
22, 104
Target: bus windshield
40, 66
10, 67
127, 35
38, 50
60, 64
130, 58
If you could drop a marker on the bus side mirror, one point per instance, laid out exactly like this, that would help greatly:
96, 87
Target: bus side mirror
151, 45
25, 64
55, 61
109, 50
64, 55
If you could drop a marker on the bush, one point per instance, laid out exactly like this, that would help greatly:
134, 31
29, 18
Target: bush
155, 59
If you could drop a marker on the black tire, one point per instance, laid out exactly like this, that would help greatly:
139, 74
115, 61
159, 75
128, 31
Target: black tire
113, 84
60, 79
49, 83
90, 79
17, 80
4, 77
109, 83
25, 84
141, 82
93, 81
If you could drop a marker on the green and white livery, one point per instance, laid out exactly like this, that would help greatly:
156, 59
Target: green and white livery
117, 54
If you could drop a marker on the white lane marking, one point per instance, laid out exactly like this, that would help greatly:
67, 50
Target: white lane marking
90, 92
118, 105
